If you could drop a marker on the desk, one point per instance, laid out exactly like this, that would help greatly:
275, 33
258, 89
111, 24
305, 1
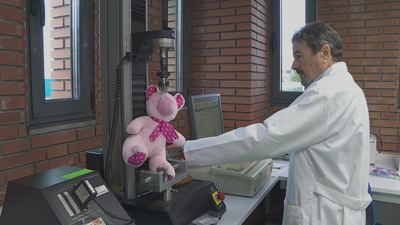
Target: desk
385, 190
239, 208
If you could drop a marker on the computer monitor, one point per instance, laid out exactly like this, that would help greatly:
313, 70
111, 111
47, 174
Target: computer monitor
205, 116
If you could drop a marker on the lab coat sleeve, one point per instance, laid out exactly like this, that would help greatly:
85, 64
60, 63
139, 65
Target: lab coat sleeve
294, 128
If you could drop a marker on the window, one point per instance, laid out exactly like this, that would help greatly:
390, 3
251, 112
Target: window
287, 17
60, 61
178, 58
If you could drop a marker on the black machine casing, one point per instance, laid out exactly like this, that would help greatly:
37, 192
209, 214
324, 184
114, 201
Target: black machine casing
190, 201
33, 200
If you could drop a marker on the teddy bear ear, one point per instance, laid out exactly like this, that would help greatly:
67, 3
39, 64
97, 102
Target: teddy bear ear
151, 90
180, 100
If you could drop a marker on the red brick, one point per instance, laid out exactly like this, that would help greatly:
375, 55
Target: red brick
382, 23
58, 43
20, 172
56, 23
51, 164
384, 6
12, 28
381, 85
348, 9
360, 2
381, 69
11, 118
391, 14
204, 37
61, 75
341, 17
204, 68
61, 53
382, 38
364, 31
13, 73
321, 11
366, 16
53, 139
204, 83
60, 33
205, 52
55, 3
382, 54
204, 22
18, 3
58, 12
85, 145
236, 51
379, 100
61, 94
16, 146
220, 12
57, 64
321, 4
220, 60
86, 133
9, 58
364, 62
12, 103
21, 159
389, 93
388, 131
236, 19
2, 179
57, 151
388, 62
12, 43
219, 28
391, 30
374, 46
220, 44
348, 24
11, 13
377, 108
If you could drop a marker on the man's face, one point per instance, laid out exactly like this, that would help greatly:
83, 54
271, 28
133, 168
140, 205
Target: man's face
306, 64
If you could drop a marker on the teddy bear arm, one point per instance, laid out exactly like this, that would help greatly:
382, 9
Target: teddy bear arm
180, 141
137, 124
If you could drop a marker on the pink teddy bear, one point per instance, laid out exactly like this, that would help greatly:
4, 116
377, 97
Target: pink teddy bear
149, 133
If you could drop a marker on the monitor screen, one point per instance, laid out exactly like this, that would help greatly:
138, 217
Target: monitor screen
205, 116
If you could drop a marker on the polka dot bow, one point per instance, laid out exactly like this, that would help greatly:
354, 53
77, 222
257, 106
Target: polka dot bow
164, 128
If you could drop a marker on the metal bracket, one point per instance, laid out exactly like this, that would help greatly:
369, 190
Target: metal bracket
154, 181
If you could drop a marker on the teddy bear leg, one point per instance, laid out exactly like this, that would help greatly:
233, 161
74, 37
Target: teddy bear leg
160, 162
136, 155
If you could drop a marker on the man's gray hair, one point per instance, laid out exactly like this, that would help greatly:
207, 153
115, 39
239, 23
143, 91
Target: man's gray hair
318, 34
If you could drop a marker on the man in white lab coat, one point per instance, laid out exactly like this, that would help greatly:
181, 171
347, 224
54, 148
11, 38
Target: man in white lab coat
326, 129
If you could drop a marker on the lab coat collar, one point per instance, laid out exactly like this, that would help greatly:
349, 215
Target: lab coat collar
337, 67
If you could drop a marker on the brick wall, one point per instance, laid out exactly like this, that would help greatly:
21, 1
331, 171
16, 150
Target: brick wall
370, 33
22, 154
229, 55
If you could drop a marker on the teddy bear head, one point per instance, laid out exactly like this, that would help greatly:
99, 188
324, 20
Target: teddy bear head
163, 106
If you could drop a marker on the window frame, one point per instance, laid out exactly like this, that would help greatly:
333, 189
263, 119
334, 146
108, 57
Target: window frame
44, 113
278, 97
184, 48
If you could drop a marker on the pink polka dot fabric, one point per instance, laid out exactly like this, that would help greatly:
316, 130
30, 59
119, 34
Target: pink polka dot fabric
164, 128
137, 159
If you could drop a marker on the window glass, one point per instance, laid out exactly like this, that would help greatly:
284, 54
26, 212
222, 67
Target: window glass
175, 56
61, 50
293, 18
287, 16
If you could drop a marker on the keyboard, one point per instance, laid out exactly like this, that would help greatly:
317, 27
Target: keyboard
234, 169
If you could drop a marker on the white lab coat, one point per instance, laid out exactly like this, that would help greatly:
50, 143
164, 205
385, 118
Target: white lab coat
327, 131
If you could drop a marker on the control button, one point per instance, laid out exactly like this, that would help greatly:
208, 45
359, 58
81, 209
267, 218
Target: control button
221, 195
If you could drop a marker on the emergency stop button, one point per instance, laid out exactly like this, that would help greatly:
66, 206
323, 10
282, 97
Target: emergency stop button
221, 195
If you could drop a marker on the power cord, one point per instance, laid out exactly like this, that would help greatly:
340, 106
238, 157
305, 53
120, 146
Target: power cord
113, 216
380, 141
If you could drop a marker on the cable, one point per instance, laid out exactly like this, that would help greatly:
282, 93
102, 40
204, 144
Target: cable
113, 216
380, 141
113, 128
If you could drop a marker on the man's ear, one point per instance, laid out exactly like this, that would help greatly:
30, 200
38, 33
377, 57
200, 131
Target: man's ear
326, 52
